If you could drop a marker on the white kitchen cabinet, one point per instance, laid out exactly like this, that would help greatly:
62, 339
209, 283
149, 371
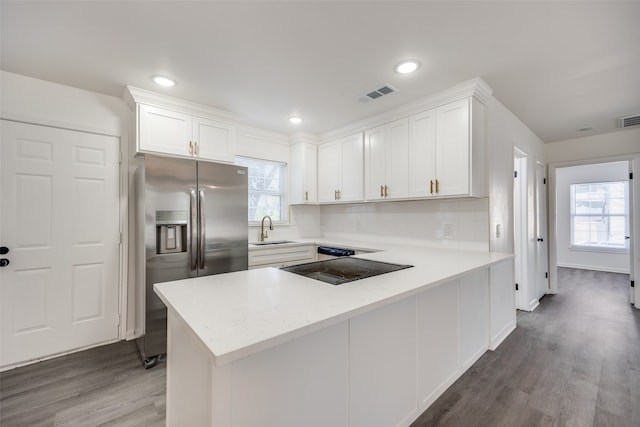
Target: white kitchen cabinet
382, 366
303, 173
386, 154
340, 170
281, 256
175, 127
474, 317
446, 150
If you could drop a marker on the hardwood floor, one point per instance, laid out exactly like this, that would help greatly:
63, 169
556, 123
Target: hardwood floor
574, 361
103, 386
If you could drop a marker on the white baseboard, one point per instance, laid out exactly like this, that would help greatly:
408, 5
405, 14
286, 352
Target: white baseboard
595, 268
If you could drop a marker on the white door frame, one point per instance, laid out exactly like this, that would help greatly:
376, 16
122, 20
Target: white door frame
634, 221
542, 240
520, 226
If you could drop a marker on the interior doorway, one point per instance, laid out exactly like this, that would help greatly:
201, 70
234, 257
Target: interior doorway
604, 248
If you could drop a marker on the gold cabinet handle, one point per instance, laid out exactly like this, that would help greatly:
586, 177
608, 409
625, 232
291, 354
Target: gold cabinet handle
339, 195
431, 186
382, 191
335, 194
191, 147
195, 148
306, 196
386, 191
437, 186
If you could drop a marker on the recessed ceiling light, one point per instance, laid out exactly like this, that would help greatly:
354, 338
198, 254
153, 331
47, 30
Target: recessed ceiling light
295, 120
407, 66
163, 81
586, 128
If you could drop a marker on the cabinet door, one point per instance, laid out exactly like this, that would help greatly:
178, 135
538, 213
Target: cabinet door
382, 366
310, 173
397, 159
163, 131
352, 168
216, 140
422, 154
329, 169
374, 163
452, 148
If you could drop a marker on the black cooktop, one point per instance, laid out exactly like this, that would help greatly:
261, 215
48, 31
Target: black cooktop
343, 270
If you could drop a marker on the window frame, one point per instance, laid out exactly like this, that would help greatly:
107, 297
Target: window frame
282, 192
624, 249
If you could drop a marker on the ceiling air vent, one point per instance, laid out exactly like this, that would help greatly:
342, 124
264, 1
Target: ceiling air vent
377, 93
625, 122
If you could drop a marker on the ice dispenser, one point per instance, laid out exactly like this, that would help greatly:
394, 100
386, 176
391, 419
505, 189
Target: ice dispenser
171, 230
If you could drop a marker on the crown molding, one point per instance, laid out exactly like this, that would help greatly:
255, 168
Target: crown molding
261, 134
477, 88
133, 96
304, 137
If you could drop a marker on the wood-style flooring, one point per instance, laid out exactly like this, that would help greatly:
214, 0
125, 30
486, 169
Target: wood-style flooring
574, 361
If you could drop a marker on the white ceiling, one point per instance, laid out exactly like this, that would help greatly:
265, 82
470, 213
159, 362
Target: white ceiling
558, 66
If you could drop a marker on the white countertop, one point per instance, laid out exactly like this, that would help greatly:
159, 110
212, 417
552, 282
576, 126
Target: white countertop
239, 314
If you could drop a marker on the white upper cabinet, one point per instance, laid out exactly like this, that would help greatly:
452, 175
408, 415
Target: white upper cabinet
386, 161
175, 127
340, 170
303, 173
446, 151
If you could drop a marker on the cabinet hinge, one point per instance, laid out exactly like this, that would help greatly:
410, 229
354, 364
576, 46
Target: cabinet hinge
546, 275
630, 175
119, 238
516, 286
117, 319
544, 180
633, 284
515, 174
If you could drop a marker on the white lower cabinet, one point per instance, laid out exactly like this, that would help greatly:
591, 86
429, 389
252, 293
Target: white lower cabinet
380, 368
281, 256
382, 365
438, 344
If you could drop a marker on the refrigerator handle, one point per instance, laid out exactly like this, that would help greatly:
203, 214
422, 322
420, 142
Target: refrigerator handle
201, 229
193, 216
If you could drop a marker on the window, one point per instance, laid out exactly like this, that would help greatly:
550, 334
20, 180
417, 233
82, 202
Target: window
266, 189
599, 216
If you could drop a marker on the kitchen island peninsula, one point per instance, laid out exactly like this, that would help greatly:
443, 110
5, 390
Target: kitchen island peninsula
272, 348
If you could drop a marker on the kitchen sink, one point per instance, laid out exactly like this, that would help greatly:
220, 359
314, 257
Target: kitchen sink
273, 242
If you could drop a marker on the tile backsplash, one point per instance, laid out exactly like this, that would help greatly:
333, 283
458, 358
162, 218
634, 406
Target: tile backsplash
462, 224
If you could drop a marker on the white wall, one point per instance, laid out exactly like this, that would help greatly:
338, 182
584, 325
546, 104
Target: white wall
504, 132
566, 257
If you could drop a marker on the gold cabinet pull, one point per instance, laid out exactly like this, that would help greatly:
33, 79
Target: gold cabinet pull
382, 191
386, 191
431, 186
335, 194
195, 148
191, 147
437, 186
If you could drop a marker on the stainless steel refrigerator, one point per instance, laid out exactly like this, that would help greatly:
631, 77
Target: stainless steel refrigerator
195, 224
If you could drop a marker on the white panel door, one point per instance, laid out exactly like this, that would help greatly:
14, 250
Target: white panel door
60, 221
397, 146
329, 169
352, 168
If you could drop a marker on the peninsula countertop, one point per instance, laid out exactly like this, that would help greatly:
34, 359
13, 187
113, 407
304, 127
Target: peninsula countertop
238, 314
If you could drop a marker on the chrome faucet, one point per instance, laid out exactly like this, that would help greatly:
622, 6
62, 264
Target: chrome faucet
263, 234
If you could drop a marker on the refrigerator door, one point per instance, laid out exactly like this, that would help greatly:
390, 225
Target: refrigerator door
170, 222
223, 200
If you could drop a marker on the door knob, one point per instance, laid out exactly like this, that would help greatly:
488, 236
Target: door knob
4, 250
4, 262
